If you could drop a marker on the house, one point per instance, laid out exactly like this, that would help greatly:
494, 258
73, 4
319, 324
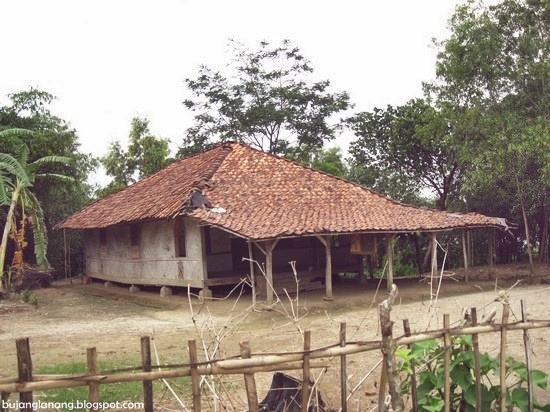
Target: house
205, 220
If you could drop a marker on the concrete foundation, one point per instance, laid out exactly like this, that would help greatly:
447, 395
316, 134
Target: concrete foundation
205, 294
134, 289
165, 291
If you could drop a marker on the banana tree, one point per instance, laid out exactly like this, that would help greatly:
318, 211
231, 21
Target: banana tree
17, 176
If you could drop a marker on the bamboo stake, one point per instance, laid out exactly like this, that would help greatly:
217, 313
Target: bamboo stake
93, 387
146, 367
526, 344
249, 381
343, 372
477, 361
388, 350
382, 387
24, 366
3, 400
447, 362
195, 379
414, 395
505, 313
306, 375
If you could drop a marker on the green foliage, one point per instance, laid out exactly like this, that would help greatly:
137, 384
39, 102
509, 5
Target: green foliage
47, 135
493, 73
428, 358
406, 149
326, 160
17, 178
146, 155
266, 100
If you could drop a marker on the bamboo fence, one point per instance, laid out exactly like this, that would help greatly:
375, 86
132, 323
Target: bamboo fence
248, 364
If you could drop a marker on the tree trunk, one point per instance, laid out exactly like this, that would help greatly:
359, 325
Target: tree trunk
7, 228
544, 236
526, 223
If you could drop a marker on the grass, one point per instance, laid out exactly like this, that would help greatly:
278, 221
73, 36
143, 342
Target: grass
111, 393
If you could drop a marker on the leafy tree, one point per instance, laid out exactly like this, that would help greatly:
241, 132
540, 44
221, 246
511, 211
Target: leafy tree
268, 102
51, 136
405, 149
328, 160
496, 63
17, 176
146, 155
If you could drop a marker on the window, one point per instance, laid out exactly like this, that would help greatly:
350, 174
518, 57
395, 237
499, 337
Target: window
102, 237
179, 237
135, 234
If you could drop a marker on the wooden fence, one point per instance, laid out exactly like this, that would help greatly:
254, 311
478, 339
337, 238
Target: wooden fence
248, 364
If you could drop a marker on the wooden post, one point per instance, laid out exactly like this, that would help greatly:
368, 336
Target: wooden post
503, 330
269, 272
205, 291
491, 251
389, 258
91, 367
414, 395
447, 361
388, 351
477, 361
249, 381
527, 347
24, 366
195, 377
146, 366
325, 240
252, 274
306, 374
343, 372
434, 253
465, 255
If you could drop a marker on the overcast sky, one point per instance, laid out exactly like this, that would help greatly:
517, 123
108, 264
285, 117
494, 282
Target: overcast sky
108, 61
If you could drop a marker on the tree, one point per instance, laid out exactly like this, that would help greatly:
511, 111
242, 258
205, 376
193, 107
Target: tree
146, 155
328, 160
406, 149
51, 136
268, 102
17, 176
496, 63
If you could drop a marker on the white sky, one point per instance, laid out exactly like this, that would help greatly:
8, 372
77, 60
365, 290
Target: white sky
110, 60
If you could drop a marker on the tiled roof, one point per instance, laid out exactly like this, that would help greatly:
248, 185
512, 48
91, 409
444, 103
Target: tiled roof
260, 196
162, 195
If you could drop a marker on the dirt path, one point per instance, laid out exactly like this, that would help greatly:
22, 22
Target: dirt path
70, 318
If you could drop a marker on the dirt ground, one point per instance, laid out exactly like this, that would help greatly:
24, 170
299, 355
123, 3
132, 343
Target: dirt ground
68, 318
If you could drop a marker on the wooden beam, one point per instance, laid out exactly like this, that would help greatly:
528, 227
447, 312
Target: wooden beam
269, 271
465, 254
491, 251
434, 253
325, 240
389, 260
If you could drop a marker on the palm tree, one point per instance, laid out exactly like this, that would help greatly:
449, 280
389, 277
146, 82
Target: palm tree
16, 180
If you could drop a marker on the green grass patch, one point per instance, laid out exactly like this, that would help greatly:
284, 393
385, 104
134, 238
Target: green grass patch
108, 393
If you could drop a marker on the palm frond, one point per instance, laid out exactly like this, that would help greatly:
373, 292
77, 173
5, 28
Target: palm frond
39, 230
15, 132
51, 159
5, 189
56, 176
11, 165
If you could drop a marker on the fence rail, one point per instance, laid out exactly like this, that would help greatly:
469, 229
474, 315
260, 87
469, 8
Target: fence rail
248, 364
